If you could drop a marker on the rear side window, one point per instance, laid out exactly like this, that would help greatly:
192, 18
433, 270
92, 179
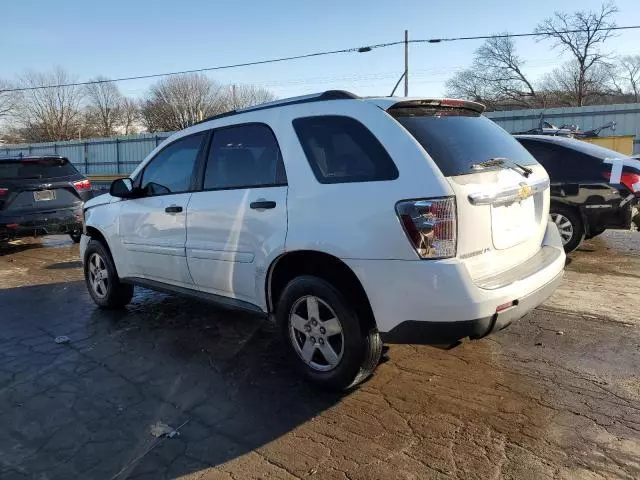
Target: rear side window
341, 149
563, 163
548, 157
170, 171
36, 169
244, 156
456, 139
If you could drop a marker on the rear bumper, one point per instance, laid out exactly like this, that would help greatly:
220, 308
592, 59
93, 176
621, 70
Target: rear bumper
439, 302
420, 332
66, 220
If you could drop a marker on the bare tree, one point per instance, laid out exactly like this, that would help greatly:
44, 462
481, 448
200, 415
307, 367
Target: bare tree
242, 96
569, 86
582, 34
496, 76
467, 84
7, 99
129, 116
628, 73
178, 101
104, 106
51, 113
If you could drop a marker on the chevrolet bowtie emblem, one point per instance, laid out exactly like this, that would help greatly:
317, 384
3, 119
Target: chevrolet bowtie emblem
525, 191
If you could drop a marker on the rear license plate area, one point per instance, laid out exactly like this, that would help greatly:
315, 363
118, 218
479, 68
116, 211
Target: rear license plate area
513, 224
44, 195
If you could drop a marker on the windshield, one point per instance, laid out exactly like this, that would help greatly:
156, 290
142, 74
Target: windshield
457, 139
22, 169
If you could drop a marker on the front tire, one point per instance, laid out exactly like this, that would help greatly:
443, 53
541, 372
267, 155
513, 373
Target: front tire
323, 335
102, 279
569, 225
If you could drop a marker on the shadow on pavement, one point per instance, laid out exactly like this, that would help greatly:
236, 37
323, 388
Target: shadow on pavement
64, 265
10, 248
86, 408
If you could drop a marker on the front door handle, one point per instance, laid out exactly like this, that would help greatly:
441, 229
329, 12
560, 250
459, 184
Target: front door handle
173, 209
262, 204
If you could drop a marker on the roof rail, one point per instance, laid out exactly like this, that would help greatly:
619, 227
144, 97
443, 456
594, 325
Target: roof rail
314, 97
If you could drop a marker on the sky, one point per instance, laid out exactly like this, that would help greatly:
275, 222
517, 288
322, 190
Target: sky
118, 38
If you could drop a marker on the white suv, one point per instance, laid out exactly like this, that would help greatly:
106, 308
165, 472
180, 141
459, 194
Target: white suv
351, 220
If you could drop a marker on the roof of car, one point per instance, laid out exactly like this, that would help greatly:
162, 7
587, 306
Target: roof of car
549, 139
383, 102
575, 144
31, 157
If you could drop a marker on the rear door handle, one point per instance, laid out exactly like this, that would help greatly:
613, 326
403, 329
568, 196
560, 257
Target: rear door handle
173, 209
263, 204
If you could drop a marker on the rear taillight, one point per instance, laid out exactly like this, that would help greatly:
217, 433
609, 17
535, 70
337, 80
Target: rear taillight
430, 225
82, 185
629, 180
3, 191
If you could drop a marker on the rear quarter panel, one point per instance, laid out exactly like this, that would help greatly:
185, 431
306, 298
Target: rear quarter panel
354, 220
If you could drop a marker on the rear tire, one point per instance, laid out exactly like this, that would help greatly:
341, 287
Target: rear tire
569, 225
102, 279
323, 335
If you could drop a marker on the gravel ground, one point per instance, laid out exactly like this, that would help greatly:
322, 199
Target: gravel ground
556, 395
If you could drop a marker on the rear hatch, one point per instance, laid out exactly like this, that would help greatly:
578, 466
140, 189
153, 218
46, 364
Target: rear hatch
502, 193
30, 185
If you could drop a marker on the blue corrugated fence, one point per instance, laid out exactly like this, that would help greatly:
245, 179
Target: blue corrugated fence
96, 156
122, 154
626, 116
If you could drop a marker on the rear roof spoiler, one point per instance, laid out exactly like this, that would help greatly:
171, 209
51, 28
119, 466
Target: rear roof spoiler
438, 103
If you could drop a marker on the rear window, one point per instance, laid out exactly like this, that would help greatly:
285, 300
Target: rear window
341, 149
456, 139
590, 149
40, 168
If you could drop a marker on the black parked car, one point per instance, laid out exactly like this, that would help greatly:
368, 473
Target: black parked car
41, 195
592, 188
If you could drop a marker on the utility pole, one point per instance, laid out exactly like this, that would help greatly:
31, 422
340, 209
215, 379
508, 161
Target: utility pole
406, 63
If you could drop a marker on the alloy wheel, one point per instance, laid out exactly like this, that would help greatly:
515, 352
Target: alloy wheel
565, 227
98, 275
316, 333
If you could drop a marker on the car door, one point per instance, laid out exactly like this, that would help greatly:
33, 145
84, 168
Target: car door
238, 222
152, 228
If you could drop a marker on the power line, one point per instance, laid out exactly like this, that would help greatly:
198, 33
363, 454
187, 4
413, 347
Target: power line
363, 49
517, 35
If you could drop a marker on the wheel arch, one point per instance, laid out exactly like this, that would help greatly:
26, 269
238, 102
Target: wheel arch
292, 264
96, 234
580, 210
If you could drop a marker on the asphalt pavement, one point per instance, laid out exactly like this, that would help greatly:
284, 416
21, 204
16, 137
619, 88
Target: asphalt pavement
173, 388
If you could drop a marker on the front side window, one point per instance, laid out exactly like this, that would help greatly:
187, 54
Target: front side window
170, 171
341, 149
244, 156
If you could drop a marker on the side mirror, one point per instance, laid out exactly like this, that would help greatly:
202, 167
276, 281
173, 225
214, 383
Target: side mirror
122, 188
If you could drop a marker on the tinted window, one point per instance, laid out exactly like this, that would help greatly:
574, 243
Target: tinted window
41, 168
244, 156
564, 163
456, 139
341, 149
547, 156
590, 149
170, 170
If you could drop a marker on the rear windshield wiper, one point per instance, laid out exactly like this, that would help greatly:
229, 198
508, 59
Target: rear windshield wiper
499, 161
